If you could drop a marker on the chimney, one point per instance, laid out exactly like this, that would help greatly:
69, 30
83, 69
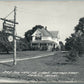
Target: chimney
45, 27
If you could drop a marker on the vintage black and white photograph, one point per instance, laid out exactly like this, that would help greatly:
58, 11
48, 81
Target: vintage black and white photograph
42, 41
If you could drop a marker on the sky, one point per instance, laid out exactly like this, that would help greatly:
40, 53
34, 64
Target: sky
60, 16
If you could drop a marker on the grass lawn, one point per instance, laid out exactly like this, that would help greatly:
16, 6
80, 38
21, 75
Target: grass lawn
22, 54
28, 69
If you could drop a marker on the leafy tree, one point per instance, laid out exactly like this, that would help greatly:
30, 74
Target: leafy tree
75, 42
80, 25
5, 45
69, 42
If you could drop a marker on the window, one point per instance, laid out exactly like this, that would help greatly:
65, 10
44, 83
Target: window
38, 38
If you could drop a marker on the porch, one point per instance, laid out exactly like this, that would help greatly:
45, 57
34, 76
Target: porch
43, 45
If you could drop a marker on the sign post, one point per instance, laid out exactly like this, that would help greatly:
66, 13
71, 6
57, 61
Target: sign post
14, 38
11, 29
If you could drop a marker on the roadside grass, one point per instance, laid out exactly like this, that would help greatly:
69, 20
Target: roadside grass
22, 54
54, 63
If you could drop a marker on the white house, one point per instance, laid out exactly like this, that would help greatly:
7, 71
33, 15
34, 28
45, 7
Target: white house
45, 40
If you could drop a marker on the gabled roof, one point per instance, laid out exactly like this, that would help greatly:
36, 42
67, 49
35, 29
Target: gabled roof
54, 34
46, 33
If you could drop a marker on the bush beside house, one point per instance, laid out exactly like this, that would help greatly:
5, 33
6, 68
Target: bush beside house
22, 44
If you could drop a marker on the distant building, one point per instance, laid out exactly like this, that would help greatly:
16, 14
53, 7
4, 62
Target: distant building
42, 39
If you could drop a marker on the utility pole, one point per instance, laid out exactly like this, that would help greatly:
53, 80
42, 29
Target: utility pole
14, 38
11, 30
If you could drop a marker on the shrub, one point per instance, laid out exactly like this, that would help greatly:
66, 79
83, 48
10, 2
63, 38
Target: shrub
72, 56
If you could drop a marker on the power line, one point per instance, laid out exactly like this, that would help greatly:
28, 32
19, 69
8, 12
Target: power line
9, 13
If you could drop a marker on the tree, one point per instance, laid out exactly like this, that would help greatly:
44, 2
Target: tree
80, 25
28, 35
69, 43
5, 45
75, 42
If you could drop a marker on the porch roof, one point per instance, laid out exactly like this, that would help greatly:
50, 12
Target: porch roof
44, 41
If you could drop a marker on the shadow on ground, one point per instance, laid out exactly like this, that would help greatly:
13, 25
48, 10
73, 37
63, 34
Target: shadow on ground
6, 64
4, 53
